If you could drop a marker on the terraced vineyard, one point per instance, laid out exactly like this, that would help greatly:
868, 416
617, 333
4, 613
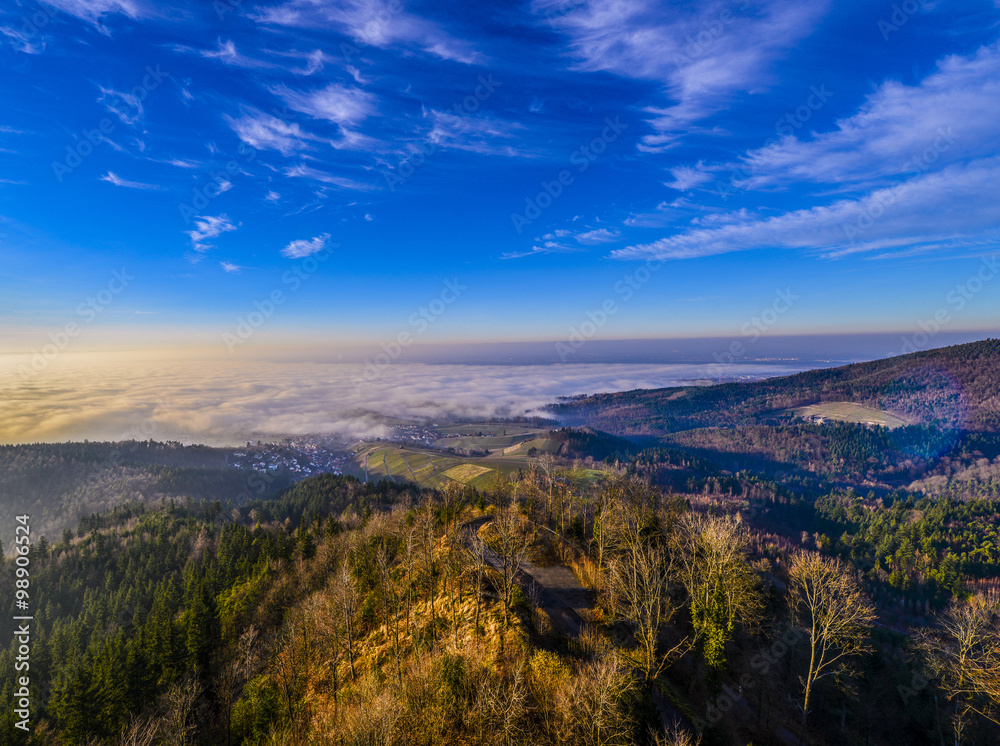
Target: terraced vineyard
430, 467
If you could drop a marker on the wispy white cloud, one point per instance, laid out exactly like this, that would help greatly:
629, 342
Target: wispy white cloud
378, 23
476, 134
227, 53
951, 209
335, 103
267, 132
124, 105
304, 247
93, 11
704, 53
312, 62
542, 247
308, 172
952, 114
113, 178
183, 163
315, 60
231, 268
21, 42
597, 236
206, 228
688, 177
564, 241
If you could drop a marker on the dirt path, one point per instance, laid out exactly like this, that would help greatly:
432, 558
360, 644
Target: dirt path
409, 468
568, 604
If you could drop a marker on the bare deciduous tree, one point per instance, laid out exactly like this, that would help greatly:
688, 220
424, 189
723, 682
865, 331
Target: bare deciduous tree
452, 496
509, 540
626, 515
676, 735
836, 615
963, 653
426, 524
411, 548
142, 731
392, 601
344, 597
292, 668
593, 708
546, 463
504, 705
639, 591
237, 666
180, 701
477, 572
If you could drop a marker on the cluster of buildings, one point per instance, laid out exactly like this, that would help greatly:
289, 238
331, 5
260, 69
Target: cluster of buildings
301, 456
421, 434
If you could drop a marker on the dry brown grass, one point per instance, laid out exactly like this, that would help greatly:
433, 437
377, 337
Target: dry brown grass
587, 573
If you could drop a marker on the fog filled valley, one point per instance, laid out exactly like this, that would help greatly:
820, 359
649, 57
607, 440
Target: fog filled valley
801, 559
549, 372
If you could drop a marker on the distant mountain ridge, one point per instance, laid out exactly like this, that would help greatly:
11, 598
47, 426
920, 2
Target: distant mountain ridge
956, 387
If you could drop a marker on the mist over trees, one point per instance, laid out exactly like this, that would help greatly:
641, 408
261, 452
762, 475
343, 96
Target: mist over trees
761, 583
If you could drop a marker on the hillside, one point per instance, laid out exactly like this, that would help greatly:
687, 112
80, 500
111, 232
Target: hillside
61, 484
954, 387
343, 612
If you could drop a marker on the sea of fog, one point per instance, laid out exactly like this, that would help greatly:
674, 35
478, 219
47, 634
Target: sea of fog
80, 397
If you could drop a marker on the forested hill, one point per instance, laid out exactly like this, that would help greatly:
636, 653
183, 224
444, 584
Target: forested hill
951, 387
60, 484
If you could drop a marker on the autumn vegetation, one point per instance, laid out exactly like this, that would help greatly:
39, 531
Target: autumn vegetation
675, 591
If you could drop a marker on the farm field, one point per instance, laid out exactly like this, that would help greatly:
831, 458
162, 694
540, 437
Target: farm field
486, 437
430, 468
850, 412
465, 473
435, 468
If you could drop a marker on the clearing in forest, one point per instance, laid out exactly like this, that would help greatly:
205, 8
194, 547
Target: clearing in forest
849, 412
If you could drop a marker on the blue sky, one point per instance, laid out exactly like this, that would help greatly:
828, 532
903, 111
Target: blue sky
536, 155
